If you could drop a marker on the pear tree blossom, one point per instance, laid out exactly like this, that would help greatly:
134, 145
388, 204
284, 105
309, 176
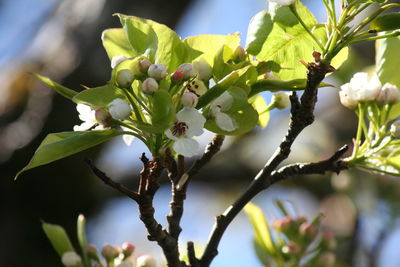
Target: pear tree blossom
88, 117
218, 106
119, 109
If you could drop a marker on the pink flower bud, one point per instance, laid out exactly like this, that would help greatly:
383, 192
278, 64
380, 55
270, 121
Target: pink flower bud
149, 86
71, 259
127, 249
283, 224
157, 71
103, 117
308, 230
110, 252
144, 65
177, 76
187, 70
124, 78
146, 261
189, 99
389, 94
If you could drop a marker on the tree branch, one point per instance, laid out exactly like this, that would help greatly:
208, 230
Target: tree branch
302, 115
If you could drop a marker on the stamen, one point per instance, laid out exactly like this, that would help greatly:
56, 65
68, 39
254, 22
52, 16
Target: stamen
179, 128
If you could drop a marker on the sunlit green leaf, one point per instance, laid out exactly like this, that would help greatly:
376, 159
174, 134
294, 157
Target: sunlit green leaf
58, 238
60, 145
260, 106
115, 43
387, 60
163, 112
99, 97
62, 90
386, 22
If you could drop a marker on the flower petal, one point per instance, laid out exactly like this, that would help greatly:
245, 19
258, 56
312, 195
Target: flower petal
169, 134
225, 122
187, 147
193, 119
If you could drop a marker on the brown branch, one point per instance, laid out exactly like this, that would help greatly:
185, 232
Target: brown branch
302, 115
108, 181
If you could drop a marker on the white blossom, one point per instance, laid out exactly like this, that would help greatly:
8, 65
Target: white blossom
190, 122
218, 106
88, 116
71, 259
202, 70
157, 71
149, 86
117, 60
389, 94
119, 109
125, 78
189, 99
283, 2
146, 261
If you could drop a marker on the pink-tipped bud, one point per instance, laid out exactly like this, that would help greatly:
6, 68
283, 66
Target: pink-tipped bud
189, 99
127, 249
92, 252
157, 71
71, 259
103, 117
327, 259
187, 70
308, 230
177, 76
110, 252
239, 54
291, 248
144, 65
146, 261
149, 86
125, 78
328, 240
283, 224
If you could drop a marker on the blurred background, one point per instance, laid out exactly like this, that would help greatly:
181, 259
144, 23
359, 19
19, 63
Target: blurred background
61, 39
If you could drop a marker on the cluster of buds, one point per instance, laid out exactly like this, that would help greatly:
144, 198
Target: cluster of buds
299, 237
365, 89
114, 256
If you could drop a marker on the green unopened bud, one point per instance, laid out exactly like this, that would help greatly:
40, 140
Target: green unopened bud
110, 252
149, 86
127, 249
157, 71
125, 78
144, 65
239, 54
202, 70
146, 261
71, 259
280, 100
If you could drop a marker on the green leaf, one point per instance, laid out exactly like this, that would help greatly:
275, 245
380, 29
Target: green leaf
388, 22
387, 60
58, 238
115, 43
260, 226
163, 112
260, 27
259, 104
60, 145
62, 90
99, 97
156, 40
207, 46
81, 234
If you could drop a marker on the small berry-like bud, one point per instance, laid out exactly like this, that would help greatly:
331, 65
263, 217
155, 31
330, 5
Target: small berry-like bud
149, 86
146, 261
187, 70
327, 259
328, 240
127, 249
280, 100
389, 94
119, 109
291, 248
283, 224
202, 70
395, 129
308, 230
91, 251
189, 99
103, 117
157, 71
71, 259
196, 86
124, 78
177, 76
144, 65
239, 54
116, 60
110, 252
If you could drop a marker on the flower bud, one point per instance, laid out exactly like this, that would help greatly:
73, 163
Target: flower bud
189, 99
389, 94
202, 70
110, 252
197, 87
71, 259
157, 71
328, 240
127, 249
146, 261
308, 230
395, 129
103, 117
187, 70
239, 54
291, 248
149, 86
327, 259
144, 65
116, 60
124, 78
177, 76
283, 224
119, 109
91, 251
280, 100
348, 97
